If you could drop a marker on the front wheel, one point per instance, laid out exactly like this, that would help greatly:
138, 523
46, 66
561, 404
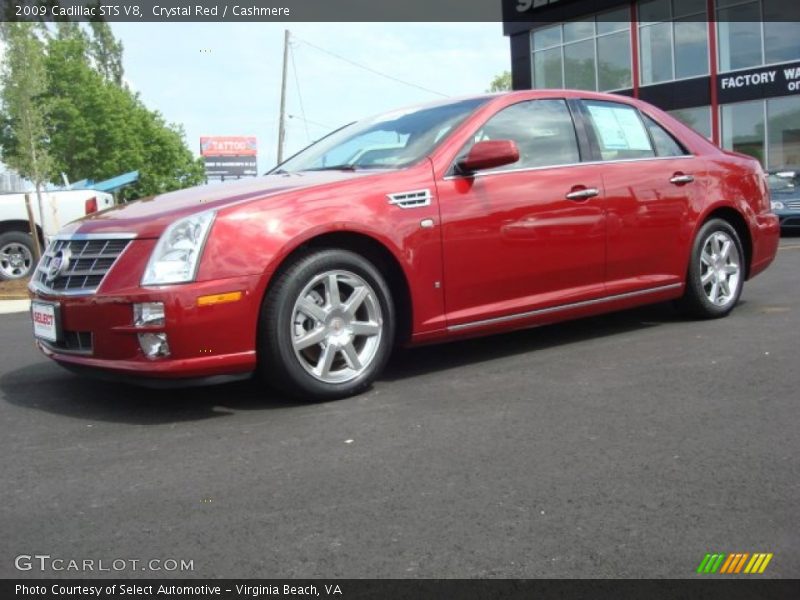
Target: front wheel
327, 326
716, 273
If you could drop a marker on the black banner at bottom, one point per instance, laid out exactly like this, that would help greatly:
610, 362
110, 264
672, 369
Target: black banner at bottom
401, 589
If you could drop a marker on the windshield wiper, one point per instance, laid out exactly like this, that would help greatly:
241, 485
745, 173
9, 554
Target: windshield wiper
335, 168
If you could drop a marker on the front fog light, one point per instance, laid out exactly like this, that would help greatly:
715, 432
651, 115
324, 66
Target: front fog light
154, 345
148, 313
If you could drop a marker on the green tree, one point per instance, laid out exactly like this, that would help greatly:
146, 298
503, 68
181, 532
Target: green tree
95, 127
501, 83
106, 51
100, 128
23, 131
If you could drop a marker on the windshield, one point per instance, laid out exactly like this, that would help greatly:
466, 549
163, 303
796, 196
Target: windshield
388, 141
783, 182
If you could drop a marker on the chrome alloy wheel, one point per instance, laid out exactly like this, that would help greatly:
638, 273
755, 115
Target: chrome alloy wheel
720, 268
337, 326
16, 260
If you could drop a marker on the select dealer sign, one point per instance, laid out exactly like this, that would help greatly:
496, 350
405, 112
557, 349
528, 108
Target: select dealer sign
763, 82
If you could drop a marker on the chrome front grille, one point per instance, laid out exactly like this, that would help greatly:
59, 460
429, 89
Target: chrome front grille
77, 265
793, 205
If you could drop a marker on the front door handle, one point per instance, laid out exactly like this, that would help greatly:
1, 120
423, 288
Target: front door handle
582, 194
681, 179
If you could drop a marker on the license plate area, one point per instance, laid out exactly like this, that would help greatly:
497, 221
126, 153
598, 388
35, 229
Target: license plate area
46, 318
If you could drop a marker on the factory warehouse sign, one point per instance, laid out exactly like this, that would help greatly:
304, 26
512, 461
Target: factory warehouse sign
229, 156
764, 82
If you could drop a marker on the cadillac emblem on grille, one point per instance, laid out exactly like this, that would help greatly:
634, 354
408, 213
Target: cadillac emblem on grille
59, 265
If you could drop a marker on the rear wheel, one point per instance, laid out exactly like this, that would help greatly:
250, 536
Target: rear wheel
327, 326
16, 255
716, 272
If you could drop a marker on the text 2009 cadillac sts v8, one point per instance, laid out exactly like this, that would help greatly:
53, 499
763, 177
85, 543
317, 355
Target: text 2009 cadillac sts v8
461, 218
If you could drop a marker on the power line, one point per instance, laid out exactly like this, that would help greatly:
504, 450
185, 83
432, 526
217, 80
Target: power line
299, 94
317, 123
371, 70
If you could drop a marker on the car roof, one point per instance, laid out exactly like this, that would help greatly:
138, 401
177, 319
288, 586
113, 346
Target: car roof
526, 95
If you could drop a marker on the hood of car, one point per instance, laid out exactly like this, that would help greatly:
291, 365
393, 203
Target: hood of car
148, 217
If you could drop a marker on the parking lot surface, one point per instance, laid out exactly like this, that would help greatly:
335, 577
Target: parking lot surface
627, 445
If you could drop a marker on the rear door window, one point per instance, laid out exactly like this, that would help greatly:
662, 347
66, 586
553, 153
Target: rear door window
618, 131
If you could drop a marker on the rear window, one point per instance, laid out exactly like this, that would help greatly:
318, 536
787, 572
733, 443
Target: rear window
618, 130
666, 145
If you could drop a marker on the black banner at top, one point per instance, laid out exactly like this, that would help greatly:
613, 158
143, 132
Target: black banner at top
538, 11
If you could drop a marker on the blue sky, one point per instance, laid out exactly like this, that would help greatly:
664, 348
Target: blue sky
224, 78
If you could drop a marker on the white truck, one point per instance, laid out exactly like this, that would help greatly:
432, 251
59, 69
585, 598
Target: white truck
59, 207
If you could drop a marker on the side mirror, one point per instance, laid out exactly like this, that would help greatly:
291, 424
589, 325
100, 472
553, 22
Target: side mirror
488, 155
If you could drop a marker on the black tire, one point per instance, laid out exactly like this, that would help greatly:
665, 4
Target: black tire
696, 301
285, 368
16, 246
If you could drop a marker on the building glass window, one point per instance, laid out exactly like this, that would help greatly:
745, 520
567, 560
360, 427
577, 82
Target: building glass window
613, 20
547, 37
751, 34
673, 40
783, 132
578, 30
655, 43
743, 128
589, 54
614, 61
697, 117
580, 69
781, 39
739, 41
547, 69
691, 48
776, 145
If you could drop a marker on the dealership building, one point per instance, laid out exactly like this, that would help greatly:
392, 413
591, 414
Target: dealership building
728, 68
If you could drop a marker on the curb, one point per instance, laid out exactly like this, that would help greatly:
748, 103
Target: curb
14, 306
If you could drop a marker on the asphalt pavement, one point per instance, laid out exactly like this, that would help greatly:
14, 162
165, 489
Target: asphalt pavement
626, 445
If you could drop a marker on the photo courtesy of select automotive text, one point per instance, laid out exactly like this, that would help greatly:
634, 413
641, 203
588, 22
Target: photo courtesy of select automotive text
451, 299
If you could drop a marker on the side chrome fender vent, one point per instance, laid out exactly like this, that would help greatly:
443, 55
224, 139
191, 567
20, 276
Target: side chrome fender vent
415, 199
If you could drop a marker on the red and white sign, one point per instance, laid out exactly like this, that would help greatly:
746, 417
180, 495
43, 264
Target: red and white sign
229, 145
44, 321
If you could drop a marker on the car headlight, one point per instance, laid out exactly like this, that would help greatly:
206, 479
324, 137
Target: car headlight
177, 253
777, 205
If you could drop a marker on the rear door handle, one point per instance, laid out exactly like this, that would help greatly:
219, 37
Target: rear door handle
583, 194
680, 179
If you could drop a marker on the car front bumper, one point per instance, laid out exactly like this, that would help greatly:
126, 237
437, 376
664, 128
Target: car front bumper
98, 332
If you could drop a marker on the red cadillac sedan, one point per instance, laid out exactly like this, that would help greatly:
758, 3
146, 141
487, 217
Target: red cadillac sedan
461, 218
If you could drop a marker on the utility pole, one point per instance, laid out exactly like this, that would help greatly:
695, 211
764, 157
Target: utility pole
282, 122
